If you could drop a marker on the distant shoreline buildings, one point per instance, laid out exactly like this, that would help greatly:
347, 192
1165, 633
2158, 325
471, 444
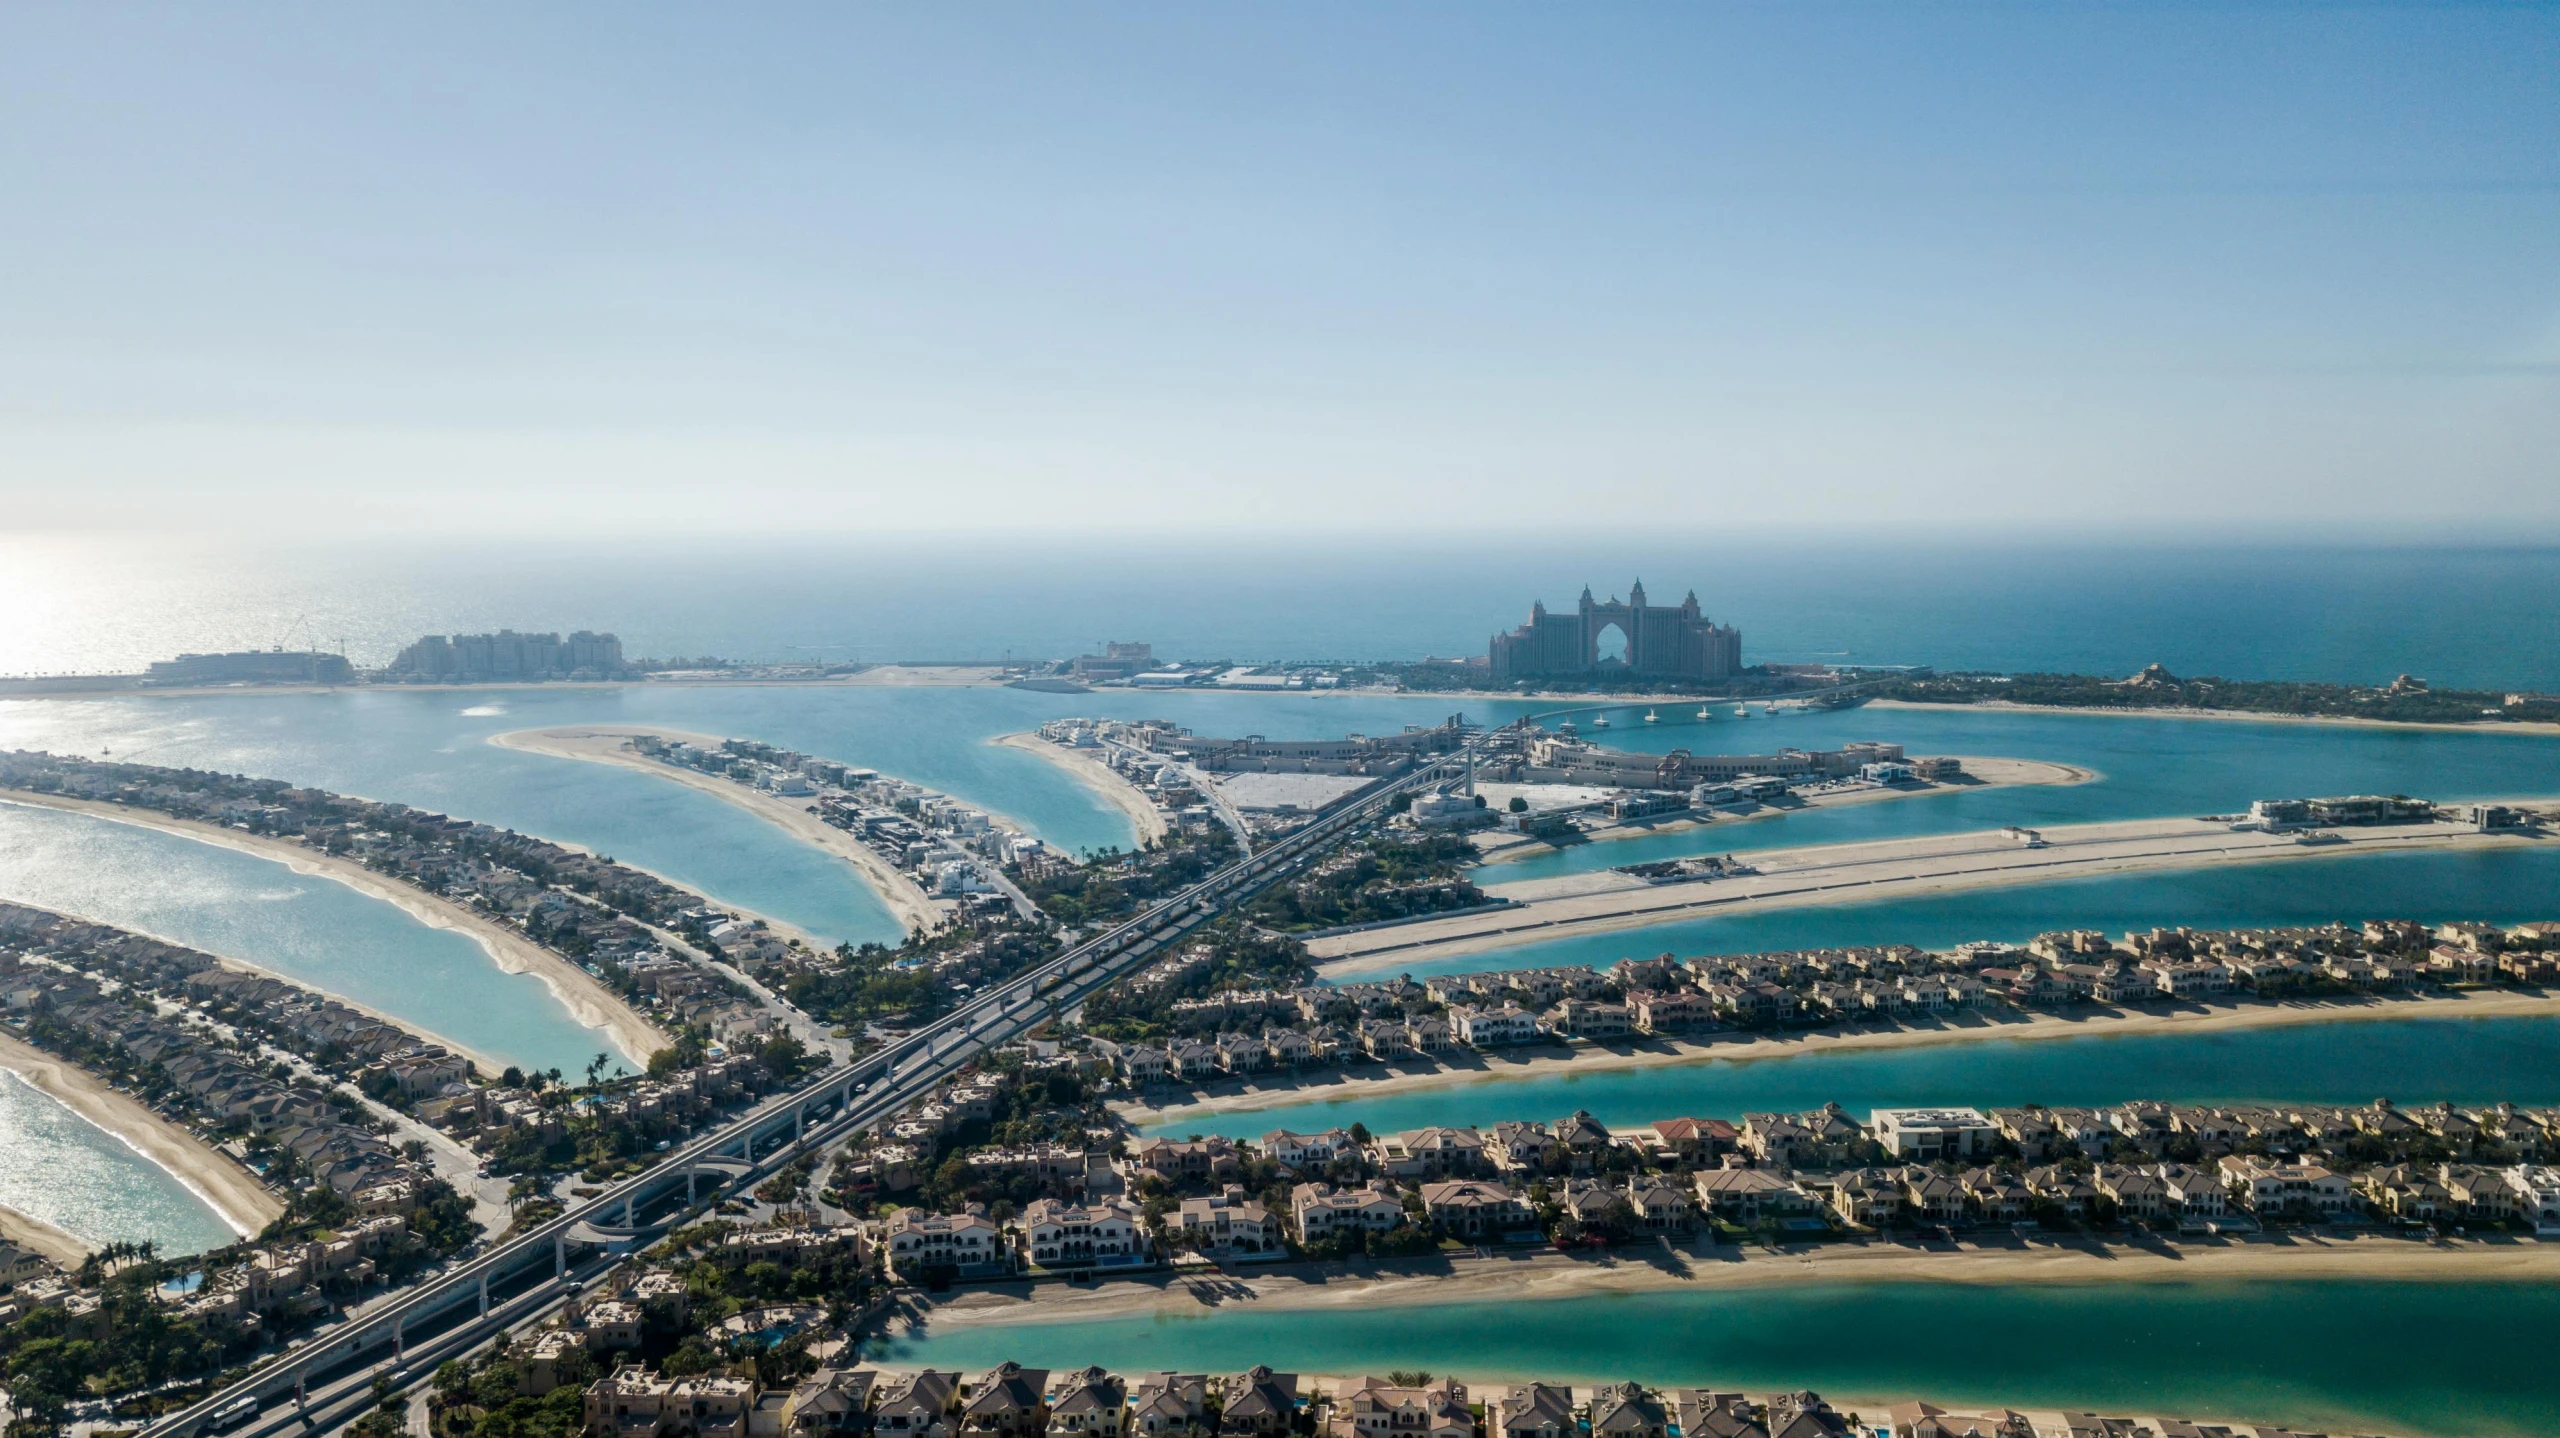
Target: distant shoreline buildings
507, 655
253, 666
1662, 641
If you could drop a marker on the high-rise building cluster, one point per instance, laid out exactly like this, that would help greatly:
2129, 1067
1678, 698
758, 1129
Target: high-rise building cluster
483, 658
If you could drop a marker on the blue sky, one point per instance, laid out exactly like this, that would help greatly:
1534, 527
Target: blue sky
1473, 267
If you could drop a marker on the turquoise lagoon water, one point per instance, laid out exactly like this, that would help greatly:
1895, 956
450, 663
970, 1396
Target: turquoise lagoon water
2418, 1358
428, 749
59, 1167
2409, 1060
314, 930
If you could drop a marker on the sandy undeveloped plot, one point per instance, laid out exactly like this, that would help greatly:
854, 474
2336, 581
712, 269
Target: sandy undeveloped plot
941, 675
1499, 1066
1847, 873
1534, 1276
2525, 728
585, 997
232, 1192
1105, 782
1306, 791
606, 745
1980, 773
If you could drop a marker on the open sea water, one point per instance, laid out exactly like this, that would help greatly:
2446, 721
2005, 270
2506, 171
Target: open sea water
2257, 609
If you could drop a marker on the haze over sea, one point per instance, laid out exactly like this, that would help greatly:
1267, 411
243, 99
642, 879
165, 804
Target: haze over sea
2485, 617
2456, 615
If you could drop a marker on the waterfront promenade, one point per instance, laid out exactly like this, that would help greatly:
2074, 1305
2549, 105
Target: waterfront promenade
1839, 873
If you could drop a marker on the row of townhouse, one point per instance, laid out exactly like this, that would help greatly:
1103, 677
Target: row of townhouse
1829, 1137
1007, 1401
286, 1009
2237, 1187
2227, 1186
1012, 1401
2153, 1127
1540, 988
1577, 1143
312, 1024
1389, 1040
1394, 1019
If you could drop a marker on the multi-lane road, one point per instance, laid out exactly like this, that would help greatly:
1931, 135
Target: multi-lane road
328, 1378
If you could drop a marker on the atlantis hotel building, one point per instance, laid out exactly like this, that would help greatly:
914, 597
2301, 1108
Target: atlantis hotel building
1661, 641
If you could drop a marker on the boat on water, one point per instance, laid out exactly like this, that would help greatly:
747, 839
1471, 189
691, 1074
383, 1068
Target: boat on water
1600, 721
1705, 712
1650, 717
1741, 711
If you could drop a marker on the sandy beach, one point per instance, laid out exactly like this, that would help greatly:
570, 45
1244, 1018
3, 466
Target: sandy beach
1534, 1275
1845, 873
581, 993
606, 745
232, 1192
1496, 1066
37, 1236
1104, 781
